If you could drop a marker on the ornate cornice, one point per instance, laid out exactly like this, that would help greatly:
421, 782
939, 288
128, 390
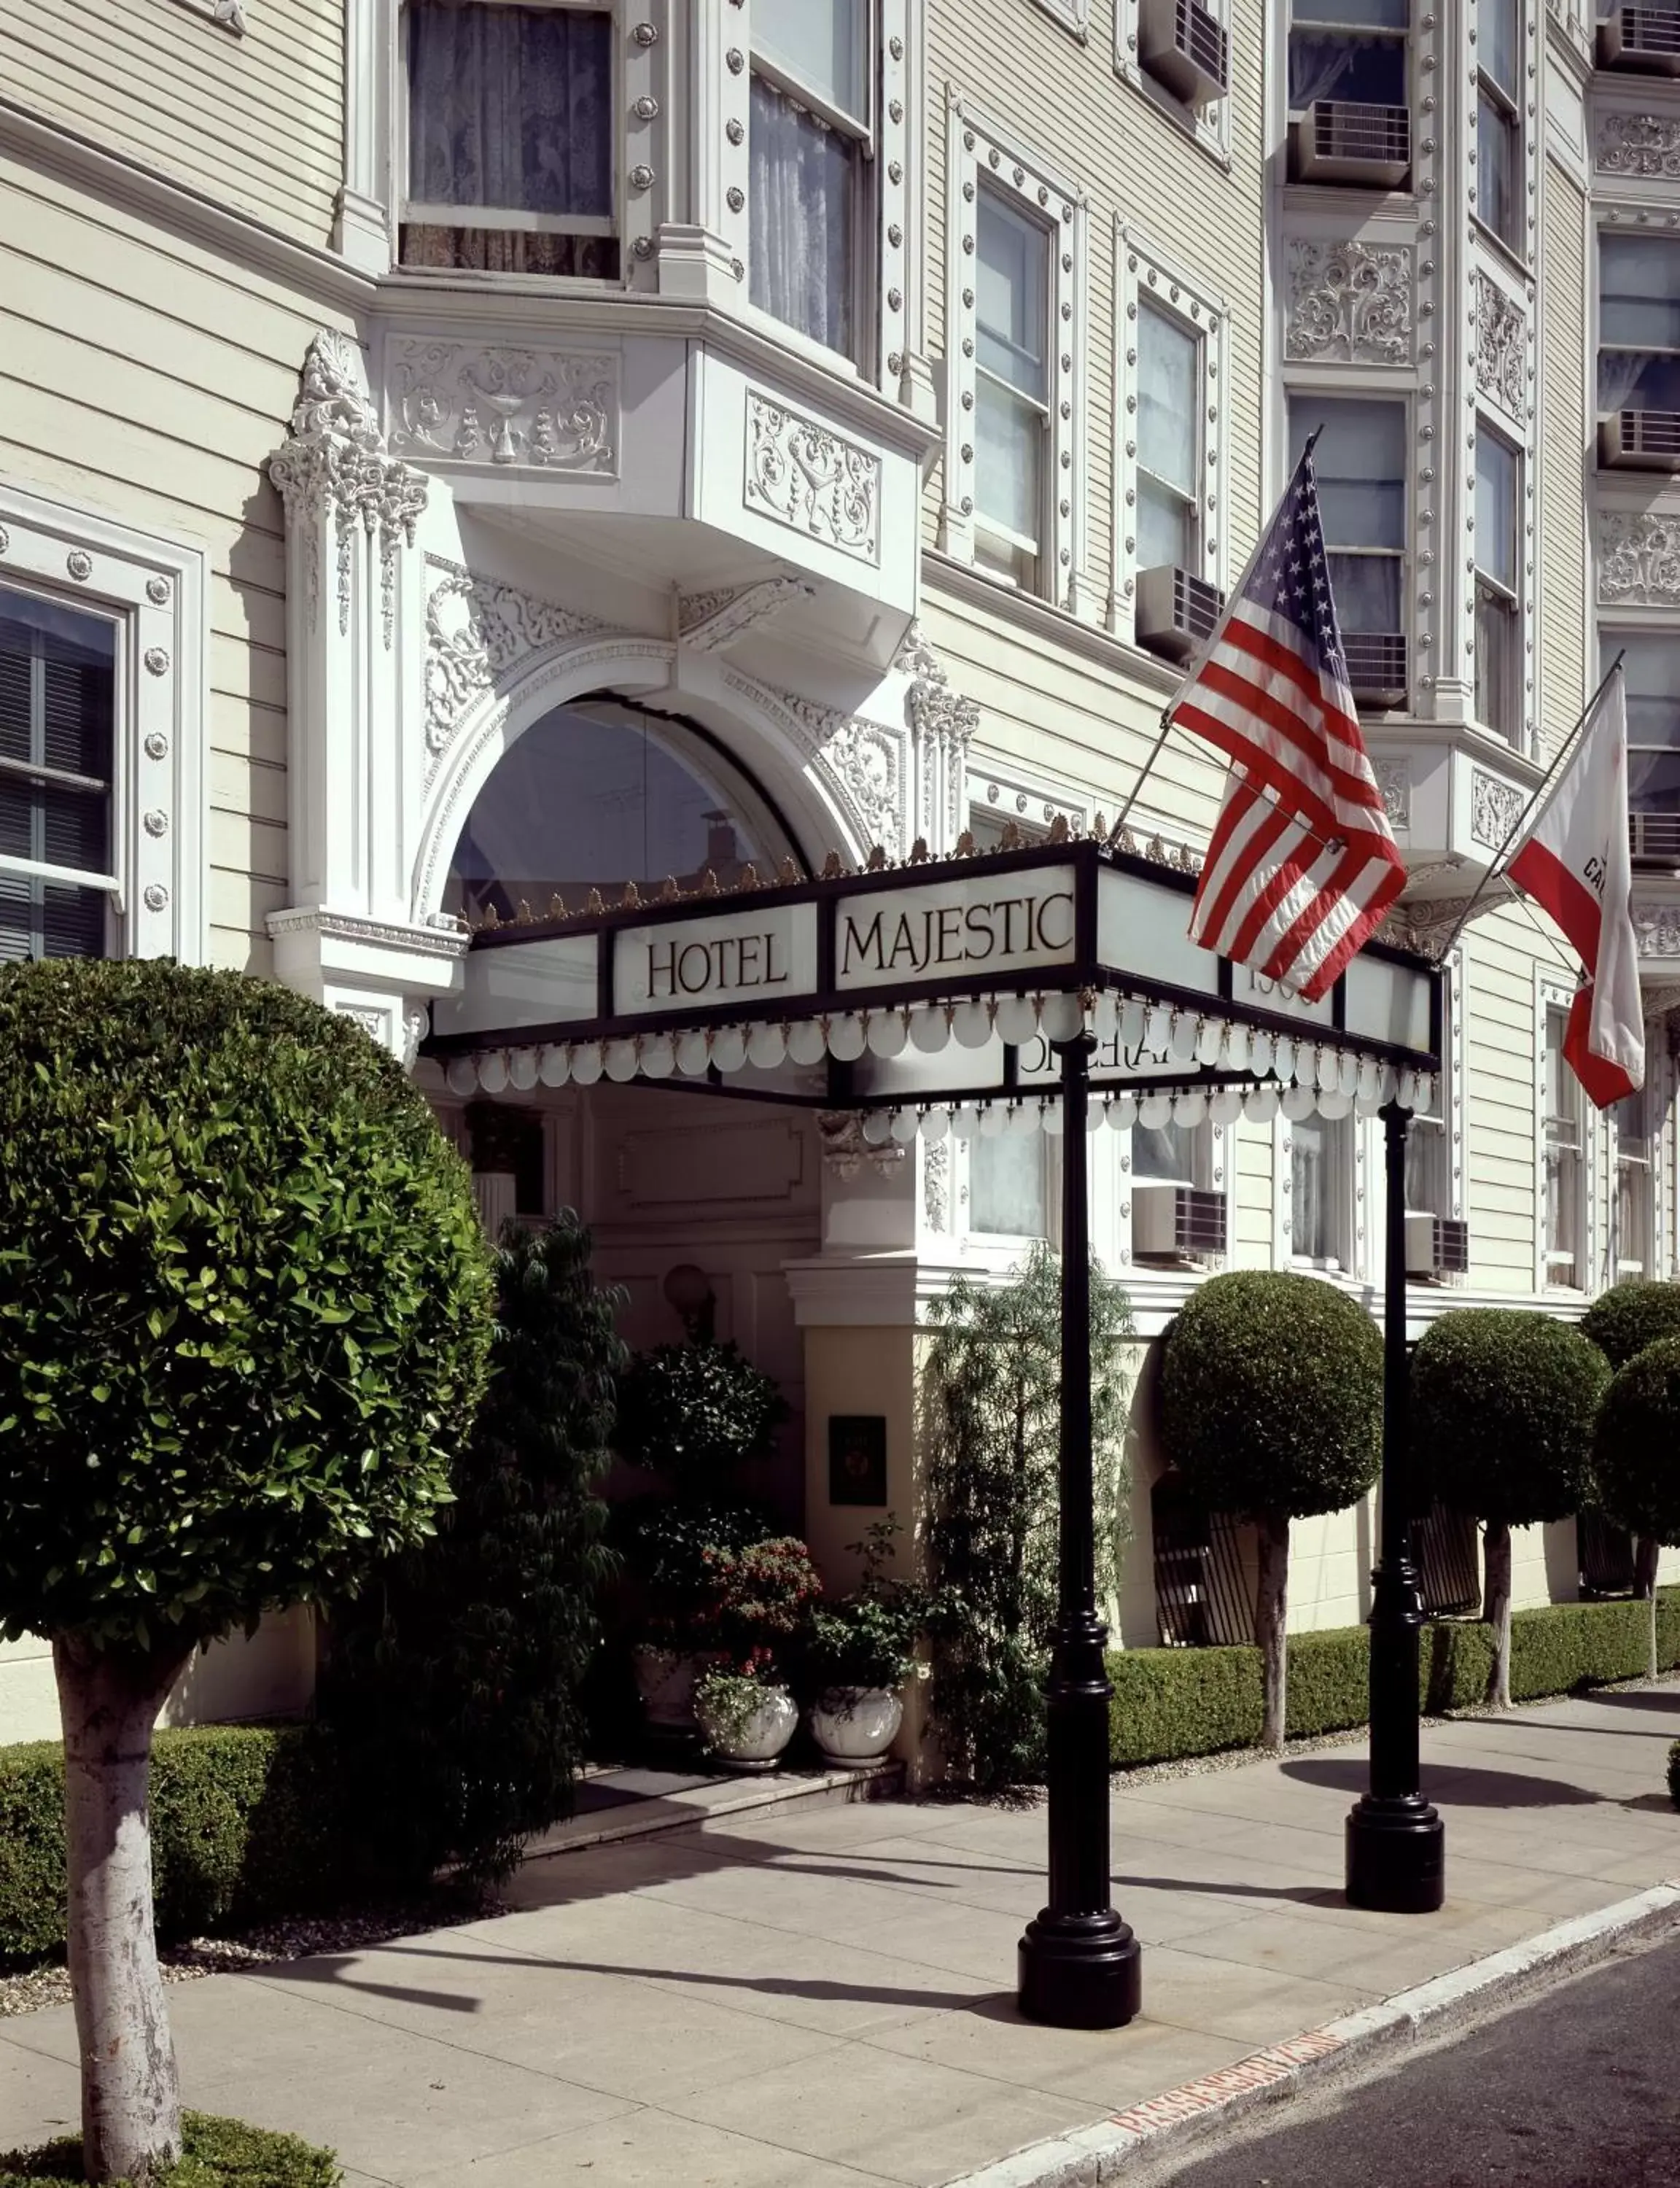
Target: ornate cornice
446, 940
709, 622
477, 628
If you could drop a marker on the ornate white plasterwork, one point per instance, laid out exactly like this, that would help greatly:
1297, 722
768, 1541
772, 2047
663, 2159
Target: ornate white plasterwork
1638, 559
1349, 303
936, 1184
1430, 924
709, 622
1494, 806
1644, 145
539, 409
1393, 779
844, 1148
862, 762
477, 628
1502, 346
1658, 928
941, 722
804, 475
333, 472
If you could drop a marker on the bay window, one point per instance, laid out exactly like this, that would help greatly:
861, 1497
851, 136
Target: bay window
1639, 323
1499, 610
57, 741
511, 128
1361, 465
1563, 1246
1168, 441
1012, 390
809, 141
1500, 200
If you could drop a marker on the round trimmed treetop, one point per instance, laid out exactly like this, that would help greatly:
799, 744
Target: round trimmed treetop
1271, 1395
1630, 1315
1637, 1448
1503, 1402
245, 1301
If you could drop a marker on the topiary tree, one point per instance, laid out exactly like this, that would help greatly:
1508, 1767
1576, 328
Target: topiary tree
1636, 1452
455, 1674
243, 1317
991, 1420
1503, 1407
1627, 1317
1271, 1402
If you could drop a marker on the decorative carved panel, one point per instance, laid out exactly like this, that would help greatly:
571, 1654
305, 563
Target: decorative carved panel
477, 628
1349, 303
803, 475
1643, 145
1638, 559
1494, 807
540, 409
1501, 347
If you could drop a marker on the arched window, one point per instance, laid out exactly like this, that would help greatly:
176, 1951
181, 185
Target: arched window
601, 793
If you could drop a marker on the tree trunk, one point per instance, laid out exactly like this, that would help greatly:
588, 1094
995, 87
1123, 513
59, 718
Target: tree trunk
131, 2095
1495, 1608
1271, 1610
1645, 1554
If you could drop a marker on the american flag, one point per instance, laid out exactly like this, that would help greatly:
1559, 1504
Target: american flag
1303, 864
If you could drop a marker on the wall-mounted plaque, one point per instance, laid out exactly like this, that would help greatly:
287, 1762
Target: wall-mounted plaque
857, 1458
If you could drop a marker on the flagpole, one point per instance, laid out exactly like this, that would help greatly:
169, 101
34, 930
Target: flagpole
1516, 827
1213, 639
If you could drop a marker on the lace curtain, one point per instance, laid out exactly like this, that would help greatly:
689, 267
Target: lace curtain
1316, 66
801, 231
510, 108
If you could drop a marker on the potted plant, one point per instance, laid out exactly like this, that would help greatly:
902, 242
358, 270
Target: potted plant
666, 1550
760, 1600
859, 1653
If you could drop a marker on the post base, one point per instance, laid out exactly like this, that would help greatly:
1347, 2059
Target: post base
1080, 1970
1396, 1856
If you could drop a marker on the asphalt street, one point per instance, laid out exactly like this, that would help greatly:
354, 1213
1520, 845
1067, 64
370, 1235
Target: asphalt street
1579, 2089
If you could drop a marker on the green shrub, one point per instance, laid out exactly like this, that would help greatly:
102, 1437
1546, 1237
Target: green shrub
698, 1413
1502, 1408
215, 2153
1171, 1702
1627, 1317
245, 1826
1637, 1453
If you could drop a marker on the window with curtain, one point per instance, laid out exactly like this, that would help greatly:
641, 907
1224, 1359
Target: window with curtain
1562, 1244
1168, 441
1349, 50
1498, 605
1639, 323
1428, 1174
58, 681
1361, 463
1011, 389
510, 138
1009, 1184
1500, 196
809, 145
1652, 671
1635, 1187
1319, 1154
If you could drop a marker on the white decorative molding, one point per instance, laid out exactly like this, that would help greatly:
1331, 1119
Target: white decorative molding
1073, 15
1349, 303
942, 724
477, 628
229, 14
538, 410
1430, 923
710, 621
442, 938
862, 762
806, 475
1658, 928
1643, 146
1502, 346
936, 1184
844, 1148
334, 473
1393, 779
1638, 559
1494, 807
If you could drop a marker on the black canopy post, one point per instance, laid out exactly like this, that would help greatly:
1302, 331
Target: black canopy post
1080, 1963
1395, 1842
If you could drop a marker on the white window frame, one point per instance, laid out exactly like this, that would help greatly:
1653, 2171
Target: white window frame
1141, 271
1208, 127
1368, 33
1553, 995
1211, 1168
1014, 1242
1073, 16
1343, 391
154, 590
1607, 229
975, 149
1646, 1259
1515, 731
1347, 1240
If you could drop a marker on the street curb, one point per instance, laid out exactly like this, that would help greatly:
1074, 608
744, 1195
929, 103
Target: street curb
1161, 2126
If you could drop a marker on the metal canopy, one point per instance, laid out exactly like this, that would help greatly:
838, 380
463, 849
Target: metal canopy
935, 988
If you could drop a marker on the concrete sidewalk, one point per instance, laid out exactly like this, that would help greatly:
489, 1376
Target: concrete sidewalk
820, 1996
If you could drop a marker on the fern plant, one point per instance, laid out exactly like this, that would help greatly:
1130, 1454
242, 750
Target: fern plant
990, 1416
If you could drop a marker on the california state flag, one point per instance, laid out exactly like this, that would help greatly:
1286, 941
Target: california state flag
1574, 861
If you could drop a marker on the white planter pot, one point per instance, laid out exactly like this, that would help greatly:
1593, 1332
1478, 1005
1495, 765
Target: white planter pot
756, 1742
665, 1681
854, 1726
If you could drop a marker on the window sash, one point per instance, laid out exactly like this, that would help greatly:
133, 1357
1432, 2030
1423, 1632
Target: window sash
1498, 162
1361, 462
783, 70
1320, 1155
1009, 1193
783, 283
1016, 355
1169, 377
996, 404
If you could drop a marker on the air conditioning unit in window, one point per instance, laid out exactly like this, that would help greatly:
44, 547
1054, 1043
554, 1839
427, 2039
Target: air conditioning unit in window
1378, 671
1175, 612
1655, 837
1339, 141
1185, 48
1644, 41
1640, 441
1176, 1222
1437, 1246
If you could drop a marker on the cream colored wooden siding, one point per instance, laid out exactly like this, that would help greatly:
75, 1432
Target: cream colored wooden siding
1565, 431
255, 122
1252, 1244
1500, 1064
150, 384
1021, 69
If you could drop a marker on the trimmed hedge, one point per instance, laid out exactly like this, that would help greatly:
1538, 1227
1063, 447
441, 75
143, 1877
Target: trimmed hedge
1174, 1702
246, 1824
215, 2153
